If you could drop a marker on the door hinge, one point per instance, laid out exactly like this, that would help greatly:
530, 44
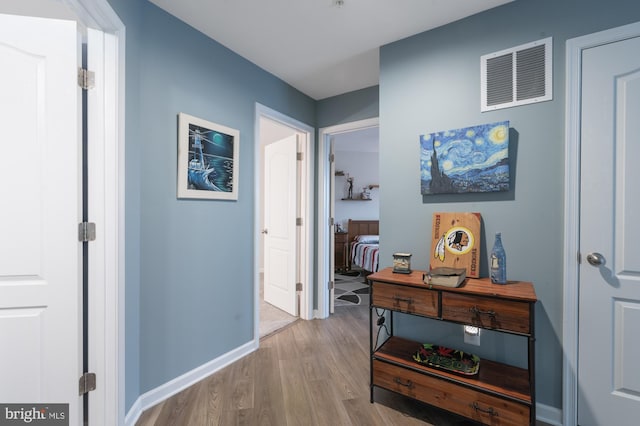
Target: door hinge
298, 221
87, 383
86, 78
86, 231
331, 221
332, 158
298, 286
332, 285
299, 156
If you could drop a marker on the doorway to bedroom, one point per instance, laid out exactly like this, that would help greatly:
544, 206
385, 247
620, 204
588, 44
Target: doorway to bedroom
351, 185
357, 209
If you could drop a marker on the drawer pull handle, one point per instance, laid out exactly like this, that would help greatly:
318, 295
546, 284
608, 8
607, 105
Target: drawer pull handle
478, 312
490, 411
408, 384
408, 300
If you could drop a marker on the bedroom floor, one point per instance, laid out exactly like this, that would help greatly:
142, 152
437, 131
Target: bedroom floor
350, 290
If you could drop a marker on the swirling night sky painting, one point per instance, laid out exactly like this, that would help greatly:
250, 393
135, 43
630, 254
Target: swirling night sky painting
472, 159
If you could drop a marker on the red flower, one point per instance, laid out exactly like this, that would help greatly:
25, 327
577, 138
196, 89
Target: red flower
444, 351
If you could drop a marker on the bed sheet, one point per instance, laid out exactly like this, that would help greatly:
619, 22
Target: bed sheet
365, 256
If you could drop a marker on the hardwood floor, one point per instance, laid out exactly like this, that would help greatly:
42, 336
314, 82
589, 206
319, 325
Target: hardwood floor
310, 373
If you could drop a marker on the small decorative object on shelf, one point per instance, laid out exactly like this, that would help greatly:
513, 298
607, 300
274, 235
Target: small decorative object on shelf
366, 193
447, 359
448, 277
498, 265
402, 263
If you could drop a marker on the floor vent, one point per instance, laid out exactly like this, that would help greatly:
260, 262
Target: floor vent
517, 76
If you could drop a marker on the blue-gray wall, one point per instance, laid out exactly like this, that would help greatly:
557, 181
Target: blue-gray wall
353, 106
431, 82
190, 272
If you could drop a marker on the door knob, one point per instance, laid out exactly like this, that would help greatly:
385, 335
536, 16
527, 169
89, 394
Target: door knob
595, 259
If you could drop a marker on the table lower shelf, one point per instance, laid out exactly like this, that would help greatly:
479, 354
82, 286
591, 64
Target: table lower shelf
493, 377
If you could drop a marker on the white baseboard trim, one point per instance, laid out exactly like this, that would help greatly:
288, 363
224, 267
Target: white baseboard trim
172, 387
549, 414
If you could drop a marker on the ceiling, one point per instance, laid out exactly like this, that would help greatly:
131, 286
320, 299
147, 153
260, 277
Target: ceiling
319, 47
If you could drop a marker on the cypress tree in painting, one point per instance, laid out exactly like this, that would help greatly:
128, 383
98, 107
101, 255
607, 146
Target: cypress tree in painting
440, 182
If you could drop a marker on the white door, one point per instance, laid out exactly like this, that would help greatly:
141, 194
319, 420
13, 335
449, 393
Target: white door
609, 300
332, 231
40, 256
280, 256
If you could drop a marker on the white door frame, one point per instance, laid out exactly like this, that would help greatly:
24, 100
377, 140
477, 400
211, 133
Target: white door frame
106, 208
571, 280
325, 251
307, 213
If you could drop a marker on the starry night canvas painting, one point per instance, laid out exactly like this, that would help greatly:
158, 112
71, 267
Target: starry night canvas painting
472, 159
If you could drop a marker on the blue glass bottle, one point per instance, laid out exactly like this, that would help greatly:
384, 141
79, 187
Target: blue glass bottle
498, 266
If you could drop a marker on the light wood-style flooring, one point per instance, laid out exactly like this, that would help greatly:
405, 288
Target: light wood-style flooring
310, 373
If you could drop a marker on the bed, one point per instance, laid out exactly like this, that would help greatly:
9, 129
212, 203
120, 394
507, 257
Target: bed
363, 245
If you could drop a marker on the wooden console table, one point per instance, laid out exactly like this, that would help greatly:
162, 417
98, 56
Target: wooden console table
499, 394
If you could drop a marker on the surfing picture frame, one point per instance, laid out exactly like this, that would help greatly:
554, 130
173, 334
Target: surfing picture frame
207, 159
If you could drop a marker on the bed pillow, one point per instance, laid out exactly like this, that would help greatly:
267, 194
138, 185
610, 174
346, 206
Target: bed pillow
367, 239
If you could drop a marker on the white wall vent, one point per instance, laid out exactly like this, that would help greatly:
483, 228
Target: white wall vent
517, 76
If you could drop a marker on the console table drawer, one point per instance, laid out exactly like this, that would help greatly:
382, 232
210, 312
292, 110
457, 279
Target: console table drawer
449, 396
486, 312
405, 299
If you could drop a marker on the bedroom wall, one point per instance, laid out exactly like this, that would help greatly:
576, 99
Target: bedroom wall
364, 168
430, 82
189, 262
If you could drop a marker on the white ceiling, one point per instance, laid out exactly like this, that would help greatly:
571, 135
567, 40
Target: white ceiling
316, 46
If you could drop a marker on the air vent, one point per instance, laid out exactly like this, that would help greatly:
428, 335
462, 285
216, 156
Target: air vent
517, 76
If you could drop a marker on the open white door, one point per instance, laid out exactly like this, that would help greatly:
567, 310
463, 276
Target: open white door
332, 230
280, 242
40, 256
609, 289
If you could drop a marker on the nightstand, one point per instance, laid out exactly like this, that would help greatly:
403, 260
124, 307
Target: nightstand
340, 250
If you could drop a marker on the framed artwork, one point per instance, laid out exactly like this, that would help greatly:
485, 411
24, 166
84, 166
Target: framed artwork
471, 159
207, 159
